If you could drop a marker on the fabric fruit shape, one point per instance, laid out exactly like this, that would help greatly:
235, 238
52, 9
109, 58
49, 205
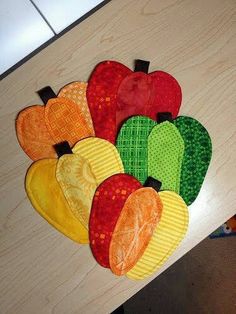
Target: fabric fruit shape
134, 228
167, 236
79, 174
196, 159
116, 93
150, 149
49, 201
107, 205
40, 127
76, 92
132, 144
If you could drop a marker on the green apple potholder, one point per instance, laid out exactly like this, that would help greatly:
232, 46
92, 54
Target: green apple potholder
132, 145
196, 159
165, 155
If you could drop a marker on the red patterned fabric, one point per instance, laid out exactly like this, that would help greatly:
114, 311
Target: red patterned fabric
101, 96
107, 204
115, 93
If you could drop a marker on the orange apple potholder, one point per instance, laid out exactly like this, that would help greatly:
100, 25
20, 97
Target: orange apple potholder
40, 127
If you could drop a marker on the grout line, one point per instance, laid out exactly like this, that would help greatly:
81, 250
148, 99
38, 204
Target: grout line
51, 40
44, 18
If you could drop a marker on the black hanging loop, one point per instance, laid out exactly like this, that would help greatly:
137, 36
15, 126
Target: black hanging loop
46, 93
153, 183
141, 66
62, 149
164, 116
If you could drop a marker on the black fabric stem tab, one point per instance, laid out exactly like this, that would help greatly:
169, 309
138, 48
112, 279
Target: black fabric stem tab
62, 149
153, 183
46, 93
164, 116
141, 66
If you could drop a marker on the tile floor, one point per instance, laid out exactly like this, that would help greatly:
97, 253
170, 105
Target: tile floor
27, 24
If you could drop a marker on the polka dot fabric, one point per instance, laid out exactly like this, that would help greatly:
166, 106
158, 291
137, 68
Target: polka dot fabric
196, 159
108, 202
165, 155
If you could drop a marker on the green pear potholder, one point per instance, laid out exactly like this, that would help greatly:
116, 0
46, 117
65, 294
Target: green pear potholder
165, 155
132, 145
196, 159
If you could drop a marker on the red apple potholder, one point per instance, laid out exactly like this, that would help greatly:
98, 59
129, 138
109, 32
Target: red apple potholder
116, 93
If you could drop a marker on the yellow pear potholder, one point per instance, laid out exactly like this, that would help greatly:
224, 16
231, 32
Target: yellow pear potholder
48, 199
79, 174
168, 234
76, 91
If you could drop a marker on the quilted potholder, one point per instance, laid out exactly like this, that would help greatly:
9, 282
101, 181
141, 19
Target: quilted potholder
76, 91
132, 144
79, 174
169, 232
165, 155
115, 93
134, 229
107, 204
48, 199
196, 159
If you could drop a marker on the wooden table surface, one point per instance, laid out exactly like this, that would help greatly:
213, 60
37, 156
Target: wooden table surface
41, 271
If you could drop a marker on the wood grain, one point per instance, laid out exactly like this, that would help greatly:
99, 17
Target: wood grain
41, 271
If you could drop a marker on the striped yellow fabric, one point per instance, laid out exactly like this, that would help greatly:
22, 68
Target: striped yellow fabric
166, 237
103, 157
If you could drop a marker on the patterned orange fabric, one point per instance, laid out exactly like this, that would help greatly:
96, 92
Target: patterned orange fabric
134, 229
30, 122
65, 121
76, 92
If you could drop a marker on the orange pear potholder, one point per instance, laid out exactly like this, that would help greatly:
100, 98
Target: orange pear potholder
76, 91
134, 229
49, 201
40, 127
79, 174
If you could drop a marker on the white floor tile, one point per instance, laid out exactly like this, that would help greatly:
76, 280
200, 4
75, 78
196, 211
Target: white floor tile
22, 30
62, 13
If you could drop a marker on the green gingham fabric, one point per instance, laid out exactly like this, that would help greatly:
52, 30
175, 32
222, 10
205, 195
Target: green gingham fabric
132, 144
197, 156
165, 155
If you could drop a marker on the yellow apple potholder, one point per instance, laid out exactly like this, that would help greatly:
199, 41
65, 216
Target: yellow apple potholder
79, 174
167, 236
48, 199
